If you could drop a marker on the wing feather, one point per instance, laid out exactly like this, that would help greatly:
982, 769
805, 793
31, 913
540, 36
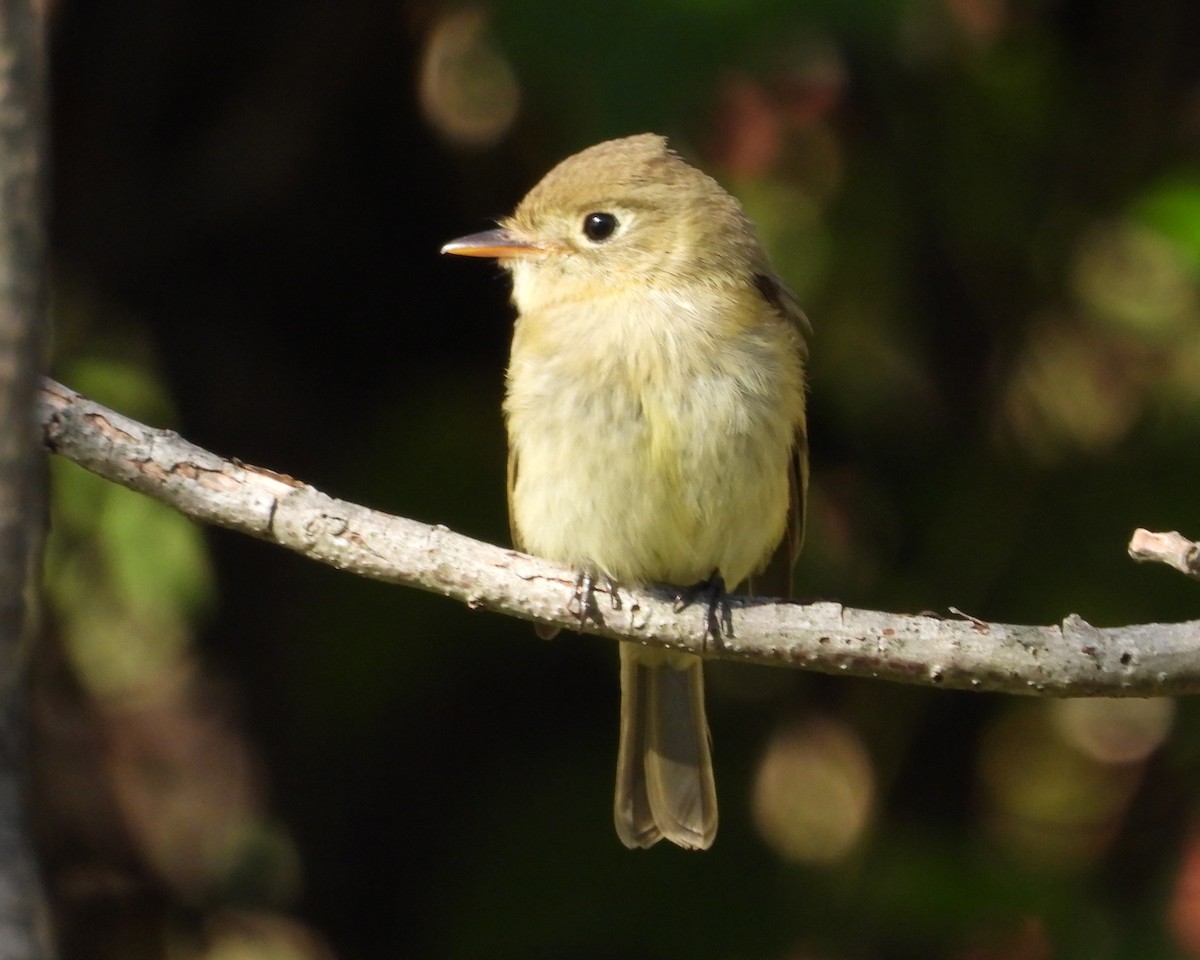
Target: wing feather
776, 577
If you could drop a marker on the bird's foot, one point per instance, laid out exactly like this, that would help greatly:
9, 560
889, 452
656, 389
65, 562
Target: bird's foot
718, 620
583, 604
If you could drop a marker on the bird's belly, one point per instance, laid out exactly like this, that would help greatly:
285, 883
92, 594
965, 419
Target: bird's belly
642, 482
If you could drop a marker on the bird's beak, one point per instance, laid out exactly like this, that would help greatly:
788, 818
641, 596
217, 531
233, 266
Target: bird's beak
500, 243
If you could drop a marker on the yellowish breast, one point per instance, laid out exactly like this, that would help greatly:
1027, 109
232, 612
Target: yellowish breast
652, 441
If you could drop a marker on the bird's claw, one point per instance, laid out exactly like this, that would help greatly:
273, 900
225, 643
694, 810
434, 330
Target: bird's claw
583, 604
718, 619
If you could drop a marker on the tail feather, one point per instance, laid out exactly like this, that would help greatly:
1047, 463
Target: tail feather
665, 784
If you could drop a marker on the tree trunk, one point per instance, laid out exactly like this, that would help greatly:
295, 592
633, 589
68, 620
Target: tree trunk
23, 933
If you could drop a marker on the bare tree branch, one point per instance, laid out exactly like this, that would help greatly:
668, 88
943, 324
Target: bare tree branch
1071, 659
1173, 549
22, 320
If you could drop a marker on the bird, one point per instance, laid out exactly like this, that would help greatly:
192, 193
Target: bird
655, 412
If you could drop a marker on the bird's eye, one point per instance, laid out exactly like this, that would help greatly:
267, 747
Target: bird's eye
598, 227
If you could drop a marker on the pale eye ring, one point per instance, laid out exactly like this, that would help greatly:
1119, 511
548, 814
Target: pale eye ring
599, 226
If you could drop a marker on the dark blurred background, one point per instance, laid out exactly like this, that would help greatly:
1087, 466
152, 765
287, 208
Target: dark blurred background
991, 212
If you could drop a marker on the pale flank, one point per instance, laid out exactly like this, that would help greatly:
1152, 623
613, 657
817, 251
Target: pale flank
655, 413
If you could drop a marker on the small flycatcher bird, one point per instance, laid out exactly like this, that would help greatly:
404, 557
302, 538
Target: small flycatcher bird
656, 425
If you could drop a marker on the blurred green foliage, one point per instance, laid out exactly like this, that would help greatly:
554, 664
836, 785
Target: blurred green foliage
991, 212
127, 578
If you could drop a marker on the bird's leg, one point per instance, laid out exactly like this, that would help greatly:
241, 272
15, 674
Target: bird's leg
718, 620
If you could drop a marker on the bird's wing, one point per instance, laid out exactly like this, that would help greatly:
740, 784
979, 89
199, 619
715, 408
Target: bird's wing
785, 303
544, 630
512, 485
776, 577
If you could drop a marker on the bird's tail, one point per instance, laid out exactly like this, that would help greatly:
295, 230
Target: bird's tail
665, 784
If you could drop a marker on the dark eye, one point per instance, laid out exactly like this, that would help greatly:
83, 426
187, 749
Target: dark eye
598, 227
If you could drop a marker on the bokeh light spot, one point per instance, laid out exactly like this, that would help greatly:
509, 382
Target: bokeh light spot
814, 792
1114, 731
467, 89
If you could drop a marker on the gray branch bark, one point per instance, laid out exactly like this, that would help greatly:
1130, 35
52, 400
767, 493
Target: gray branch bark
22, 318
1072, 659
